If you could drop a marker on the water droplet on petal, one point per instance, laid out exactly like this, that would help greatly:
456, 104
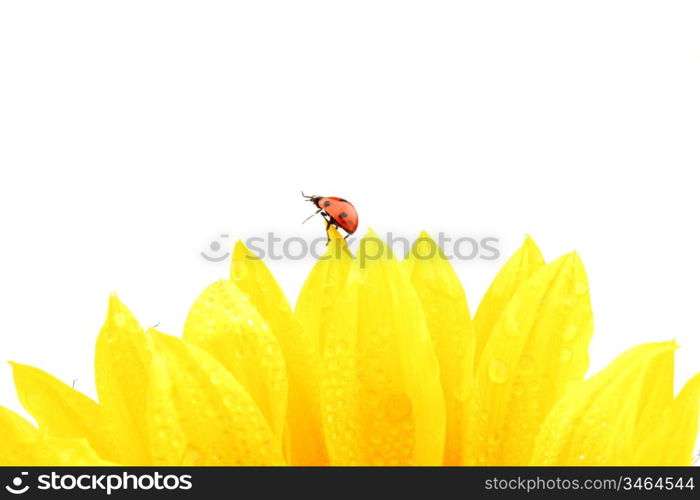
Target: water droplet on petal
239, 270
229, 400
565, 355
120, 319
424, 250
498, 371
398, 407
512, 328
192, 456
570, 332
527, 365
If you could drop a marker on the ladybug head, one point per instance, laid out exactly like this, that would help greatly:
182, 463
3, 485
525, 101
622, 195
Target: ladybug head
312, 199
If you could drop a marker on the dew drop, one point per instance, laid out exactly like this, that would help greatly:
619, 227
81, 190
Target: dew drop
120, 319
332, 365
570, 332
424, 250
398, 407
372, 399
192, 456
239, 270
512, 328
498, 371
527, 365
282, 303
565, 355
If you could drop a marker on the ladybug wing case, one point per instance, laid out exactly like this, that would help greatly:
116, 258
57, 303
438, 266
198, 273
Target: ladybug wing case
343, 212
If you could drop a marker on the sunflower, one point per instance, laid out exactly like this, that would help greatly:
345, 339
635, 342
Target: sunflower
380, 363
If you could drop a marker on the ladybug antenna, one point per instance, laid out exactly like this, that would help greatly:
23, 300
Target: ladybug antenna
316, 212
306, 196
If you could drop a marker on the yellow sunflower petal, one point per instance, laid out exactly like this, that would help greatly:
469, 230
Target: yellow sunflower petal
59, 409
512, 275
381, 396
55, 451
121, 377
539, 345
452, 331
600, 421
322, 287
673, 440
17, 438
304, 439
23, 445
224, 323
198, 414
14, 427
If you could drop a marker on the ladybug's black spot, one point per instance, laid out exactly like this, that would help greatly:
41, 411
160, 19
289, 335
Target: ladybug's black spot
326, 203
343, 215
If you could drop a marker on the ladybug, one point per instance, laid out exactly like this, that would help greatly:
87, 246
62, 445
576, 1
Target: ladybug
337, 212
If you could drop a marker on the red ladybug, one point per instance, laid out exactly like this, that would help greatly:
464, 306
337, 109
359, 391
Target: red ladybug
337, 212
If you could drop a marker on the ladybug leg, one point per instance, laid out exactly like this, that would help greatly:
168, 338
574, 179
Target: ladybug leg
317, 211
328, 226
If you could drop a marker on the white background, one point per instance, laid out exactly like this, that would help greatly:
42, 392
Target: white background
132, 134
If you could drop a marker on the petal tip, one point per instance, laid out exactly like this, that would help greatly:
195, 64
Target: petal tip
240, 250
530, 247
333, 233
118, 315
115, 304
372, 247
